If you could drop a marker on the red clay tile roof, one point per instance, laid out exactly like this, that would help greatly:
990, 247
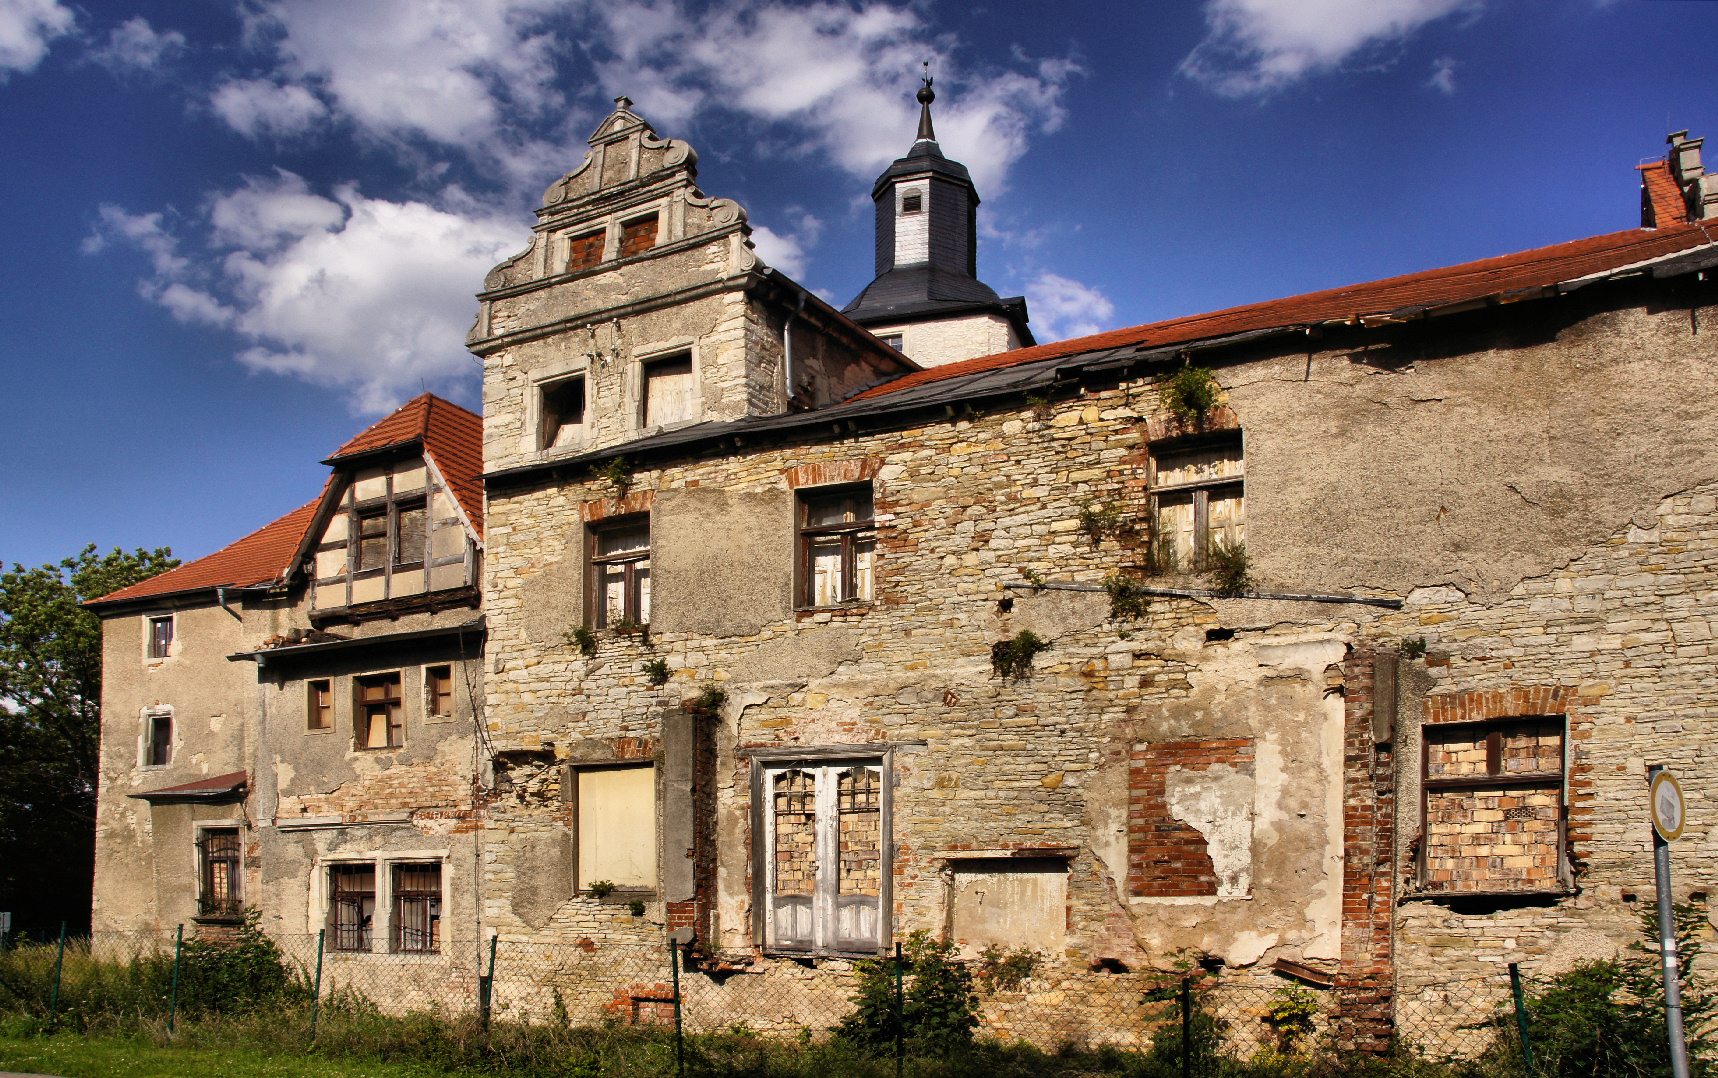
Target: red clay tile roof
1661, 195
451, 435
212, 786
1452, 284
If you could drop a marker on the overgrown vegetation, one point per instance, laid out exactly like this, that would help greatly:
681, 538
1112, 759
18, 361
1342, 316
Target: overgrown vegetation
1013, 658
1043, 408
600, 888
1005, 971
939, 1009
1229, 568
636, 907
656, 671
1128, 599
1412, 647
581, 638
1290, 1017
1100, 521
1190, 393
707, 703
1033, 577
617, 473
629, 627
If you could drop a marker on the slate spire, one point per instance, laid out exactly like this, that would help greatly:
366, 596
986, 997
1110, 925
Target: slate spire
927, 133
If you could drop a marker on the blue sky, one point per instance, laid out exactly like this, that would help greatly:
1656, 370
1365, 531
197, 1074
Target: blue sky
238, 232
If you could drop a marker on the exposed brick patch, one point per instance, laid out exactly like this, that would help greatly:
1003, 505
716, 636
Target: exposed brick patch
639, 501
1500, 703
1365, 980
642, 1003
855, 470
1167, 858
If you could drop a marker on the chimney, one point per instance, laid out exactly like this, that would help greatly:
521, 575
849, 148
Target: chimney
1699, 190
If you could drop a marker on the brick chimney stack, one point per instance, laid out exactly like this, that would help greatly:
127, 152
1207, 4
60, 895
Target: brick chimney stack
1699, 188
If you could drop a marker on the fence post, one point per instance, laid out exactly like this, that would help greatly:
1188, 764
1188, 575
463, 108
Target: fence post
1186, 1027
679, 1034
900, 1016
173, 1000
316, 993
1521, 1015
486, 985
59, 963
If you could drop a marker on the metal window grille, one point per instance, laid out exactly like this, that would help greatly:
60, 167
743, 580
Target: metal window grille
354, 888
417, 908
220, 857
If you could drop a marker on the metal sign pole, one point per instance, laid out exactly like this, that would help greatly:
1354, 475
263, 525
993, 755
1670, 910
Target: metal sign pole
1667, 821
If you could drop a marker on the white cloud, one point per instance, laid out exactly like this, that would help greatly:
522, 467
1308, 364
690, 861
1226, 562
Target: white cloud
257, 107
26, 29
1063, 308
1259, 46
1443, 75
788, 251
355, 293
134, 45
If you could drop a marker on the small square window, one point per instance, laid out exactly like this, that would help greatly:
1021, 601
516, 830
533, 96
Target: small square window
373, 539
912, 202
438, 692
637, 237
838, 545
894, 340
158, 747
668, 391
584, 251
1199, 498
319, 705
563, 414
380, 722
160, 636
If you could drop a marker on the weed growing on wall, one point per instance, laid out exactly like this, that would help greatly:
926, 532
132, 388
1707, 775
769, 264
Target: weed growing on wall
1042, 407
1013, 658
1128, 600
1190, 393
601, 888
1229, 568
1412, 647
708, 702
583, 639
1004, 971
1099, 521
617, 473
656, 671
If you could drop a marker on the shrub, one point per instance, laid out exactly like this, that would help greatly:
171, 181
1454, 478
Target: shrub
617, 473
656, 671
707, 703
1190, 392
1412, 647
601, 888
583, 639
1290, 1016
1099, 520
1013, 658
235, 974
1229, 568
1005, 971
1128, 599
939, 1010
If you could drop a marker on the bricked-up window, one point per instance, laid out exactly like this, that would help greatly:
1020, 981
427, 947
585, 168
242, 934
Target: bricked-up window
319, 705
1493, 806
160, 636
380, 717
417, 908
617, 826
585, 251
620, 573
838, 545
438, 692
668, 391
637, 237
354, 905
1198, 500
219, 858
825, 831
157, 739
563, 412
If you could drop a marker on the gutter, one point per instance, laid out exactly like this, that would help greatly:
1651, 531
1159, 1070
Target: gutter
262, 656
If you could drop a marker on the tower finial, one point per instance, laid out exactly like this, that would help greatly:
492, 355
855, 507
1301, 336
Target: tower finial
926, 95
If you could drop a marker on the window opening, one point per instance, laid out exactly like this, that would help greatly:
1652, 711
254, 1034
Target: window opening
668, 391
838, 546
586, 250
895, 341
438, 690
825, 839
159, 750
320, 705
1492, 800
372, 539
911, 202
220, 857
160, 636
563, 413
617, 826
412, 522
417, 908
620, 562
1199, 501
381, 724
638, 236
354, 888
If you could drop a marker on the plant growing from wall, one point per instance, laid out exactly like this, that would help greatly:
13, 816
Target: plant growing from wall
1100, 520
583, 639
1013, 658
1004, 971
1290, 1016
636, 907
617, 473
628, 627
1190, 393
1033, 577
1229, 568
1128, 600
656, 671
1412, 647
939, 1009
601, 888
1042, 407
707, 703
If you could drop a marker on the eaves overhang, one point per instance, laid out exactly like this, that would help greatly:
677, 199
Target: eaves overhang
215, 789
264, 656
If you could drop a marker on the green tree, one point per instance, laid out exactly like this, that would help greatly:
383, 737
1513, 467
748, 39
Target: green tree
50, 728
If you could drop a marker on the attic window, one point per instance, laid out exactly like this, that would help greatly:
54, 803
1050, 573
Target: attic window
912, 202
563, 410
583, 251
637, 237
894, 340
668, 391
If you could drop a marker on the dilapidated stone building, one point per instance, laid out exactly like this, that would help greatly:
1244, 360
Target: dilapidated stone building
793, 642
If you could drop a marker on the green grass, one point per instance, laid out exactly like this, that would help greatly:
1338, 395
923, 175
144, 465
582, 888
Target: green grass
72, 1056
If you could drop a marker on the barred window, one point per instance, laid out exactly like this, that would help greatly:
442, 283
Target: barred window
417, 908
219, 861
1492, 805
354, 891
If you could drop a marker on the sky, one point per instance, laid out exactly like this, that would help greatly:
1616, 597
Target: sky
236, 233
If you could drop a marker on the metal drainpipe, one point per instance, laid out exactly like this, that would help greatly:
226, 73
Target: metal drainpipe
787, 347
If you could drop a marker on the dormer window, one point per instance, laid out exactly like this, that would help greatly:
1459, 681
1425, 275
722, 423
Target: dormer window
637, 237
668, 391
395, 533
912, 202
563, 411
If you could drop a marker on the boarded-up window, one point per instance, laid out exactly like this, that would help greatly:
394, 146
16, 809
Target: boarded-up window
838, 546
563, 409
438, 692
372, 539
160, 636
410, 531
219, 857
319, 705
353, 890
1199, 497
584, 251
637, 237
1493, 805
417, 908
1012, 903
620, 574
826, 841
158, 739
668, 391
381, 722
617, 826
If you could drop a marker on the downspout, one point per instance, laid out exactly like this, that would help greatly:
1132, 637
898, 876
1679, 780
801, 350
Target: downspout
787, 349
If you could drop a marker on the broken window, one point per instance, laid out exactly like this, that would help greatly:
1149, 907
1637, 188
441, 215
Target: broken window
838, 545
417, 907
319, 705
157, 738
381, 722
637, 237
585, 251
668, 391
825, 832
438, 692
620, 573
219, 857
1492, 806
563, 413
617, 826
354, 905
373, 539
895, 341
410, 529
160, 636
1198, 502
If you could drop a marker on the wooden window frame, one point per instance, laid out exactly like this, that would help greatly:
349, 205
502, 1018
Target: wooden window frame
629, 561
1494, 777
388, 506
1200, 489
656, 363
396, 718
156, 646
432, 697
319, 701
547, 428
354, 935
220, 846
405, 936
912, 201
152, 720
849, 532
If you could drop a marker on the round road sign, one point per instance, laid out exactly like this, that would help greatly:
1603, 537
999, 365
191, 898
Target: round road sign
1667, 814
